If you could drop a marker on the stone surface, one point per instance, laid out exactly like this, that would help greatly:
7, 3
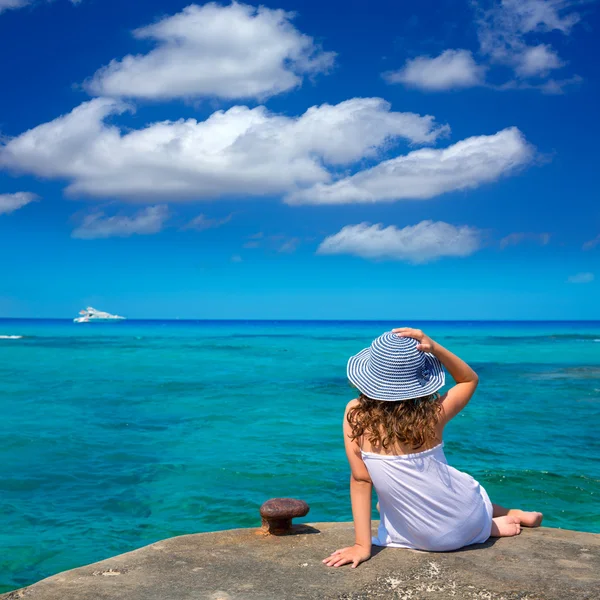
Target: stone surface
277, 514
245, 564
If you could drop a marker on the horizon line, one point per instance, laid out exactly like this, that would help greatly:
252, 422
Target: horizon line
296, 320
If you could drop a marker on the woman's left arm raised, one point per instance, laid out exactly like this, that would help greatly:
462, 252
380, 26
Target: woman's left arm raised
360, 494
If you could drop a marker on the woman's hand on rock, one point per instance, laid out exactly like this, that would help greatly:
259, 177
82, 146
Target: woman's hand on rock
352, 554
426, 344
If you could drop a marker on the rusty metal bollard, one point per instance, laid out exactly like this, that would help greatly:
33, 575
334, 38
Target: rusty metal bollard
277, 514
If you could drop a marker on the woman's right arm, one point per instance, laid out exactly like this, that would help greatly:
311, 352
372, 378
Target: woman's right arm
457, 397
360, 495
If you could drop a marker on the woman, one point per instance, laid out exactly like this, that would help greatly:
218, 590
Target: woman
393, 435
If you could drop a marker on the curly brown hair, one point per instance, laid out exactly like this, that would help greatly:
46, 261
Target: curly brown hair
392, 424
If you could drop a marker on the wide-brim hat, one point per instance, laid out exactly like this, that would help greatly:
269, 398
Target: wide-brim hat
392, 368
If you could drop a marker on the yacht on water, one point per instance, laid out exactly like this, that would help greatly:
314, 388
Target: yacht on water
91, 315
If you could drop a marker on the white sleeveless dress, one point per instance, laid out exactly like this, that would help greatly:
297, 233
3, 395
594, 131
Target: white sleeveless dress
425, 504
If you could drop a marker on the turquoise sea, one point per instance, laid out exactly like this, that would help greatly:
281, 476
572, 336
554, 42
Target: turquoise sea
117, 435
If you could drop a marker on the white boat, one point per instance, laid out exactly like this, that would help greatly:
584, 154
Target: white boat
91, 315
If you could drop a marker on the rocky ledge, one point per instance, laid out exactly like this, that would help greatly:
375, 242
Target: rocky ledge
247, 564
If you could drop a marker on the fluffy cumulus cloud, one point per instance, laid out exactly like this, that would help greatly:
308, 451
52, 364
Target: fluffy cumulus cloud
240, 151
581, 278
452, 69
424, 242
235, 51
537, 60
426, 173
145, 222
506, 27
11, 202
514, 239
508, 32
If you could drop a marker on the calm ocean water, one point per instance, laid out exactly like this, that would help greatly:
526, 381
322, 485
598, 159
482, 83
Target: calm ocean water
117, 435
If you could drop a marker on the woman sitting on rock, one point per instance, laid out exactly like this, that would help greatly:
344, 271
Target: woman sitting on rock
393, 435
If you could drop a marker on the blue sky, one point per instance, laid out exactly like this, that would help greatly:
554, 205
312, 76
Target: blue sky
339, 160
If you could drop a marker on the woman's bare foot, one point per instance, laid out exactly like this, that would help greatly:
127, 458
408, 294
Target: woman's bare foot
505, 526
527, 519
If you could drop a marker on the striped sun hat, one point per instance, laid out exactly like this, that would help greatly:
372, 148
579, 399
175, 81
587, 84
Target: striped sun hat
392, 368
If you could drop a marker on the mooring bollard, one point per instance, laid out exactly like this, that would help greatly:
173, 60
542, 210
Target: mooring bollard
277, 514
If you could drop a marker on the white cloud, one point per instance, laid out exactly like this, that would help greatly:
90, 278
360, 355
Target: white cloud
426, 173
537, 60
240, 151
11, 202
548, 86
12, 4
508, 32
450, 70
235, 51
558, 86
290, 245
145, 222
279, 243
8, 4
540, 15
505, 25
424, 242
202, 222
514, 239
591, 244
581, 278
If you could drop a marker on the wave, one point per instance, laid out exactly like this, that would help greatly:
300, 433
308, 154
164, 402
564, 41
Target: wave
11, 337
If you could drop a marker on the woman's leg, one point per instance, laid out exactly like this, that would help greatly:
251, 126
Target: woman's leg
527, 519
